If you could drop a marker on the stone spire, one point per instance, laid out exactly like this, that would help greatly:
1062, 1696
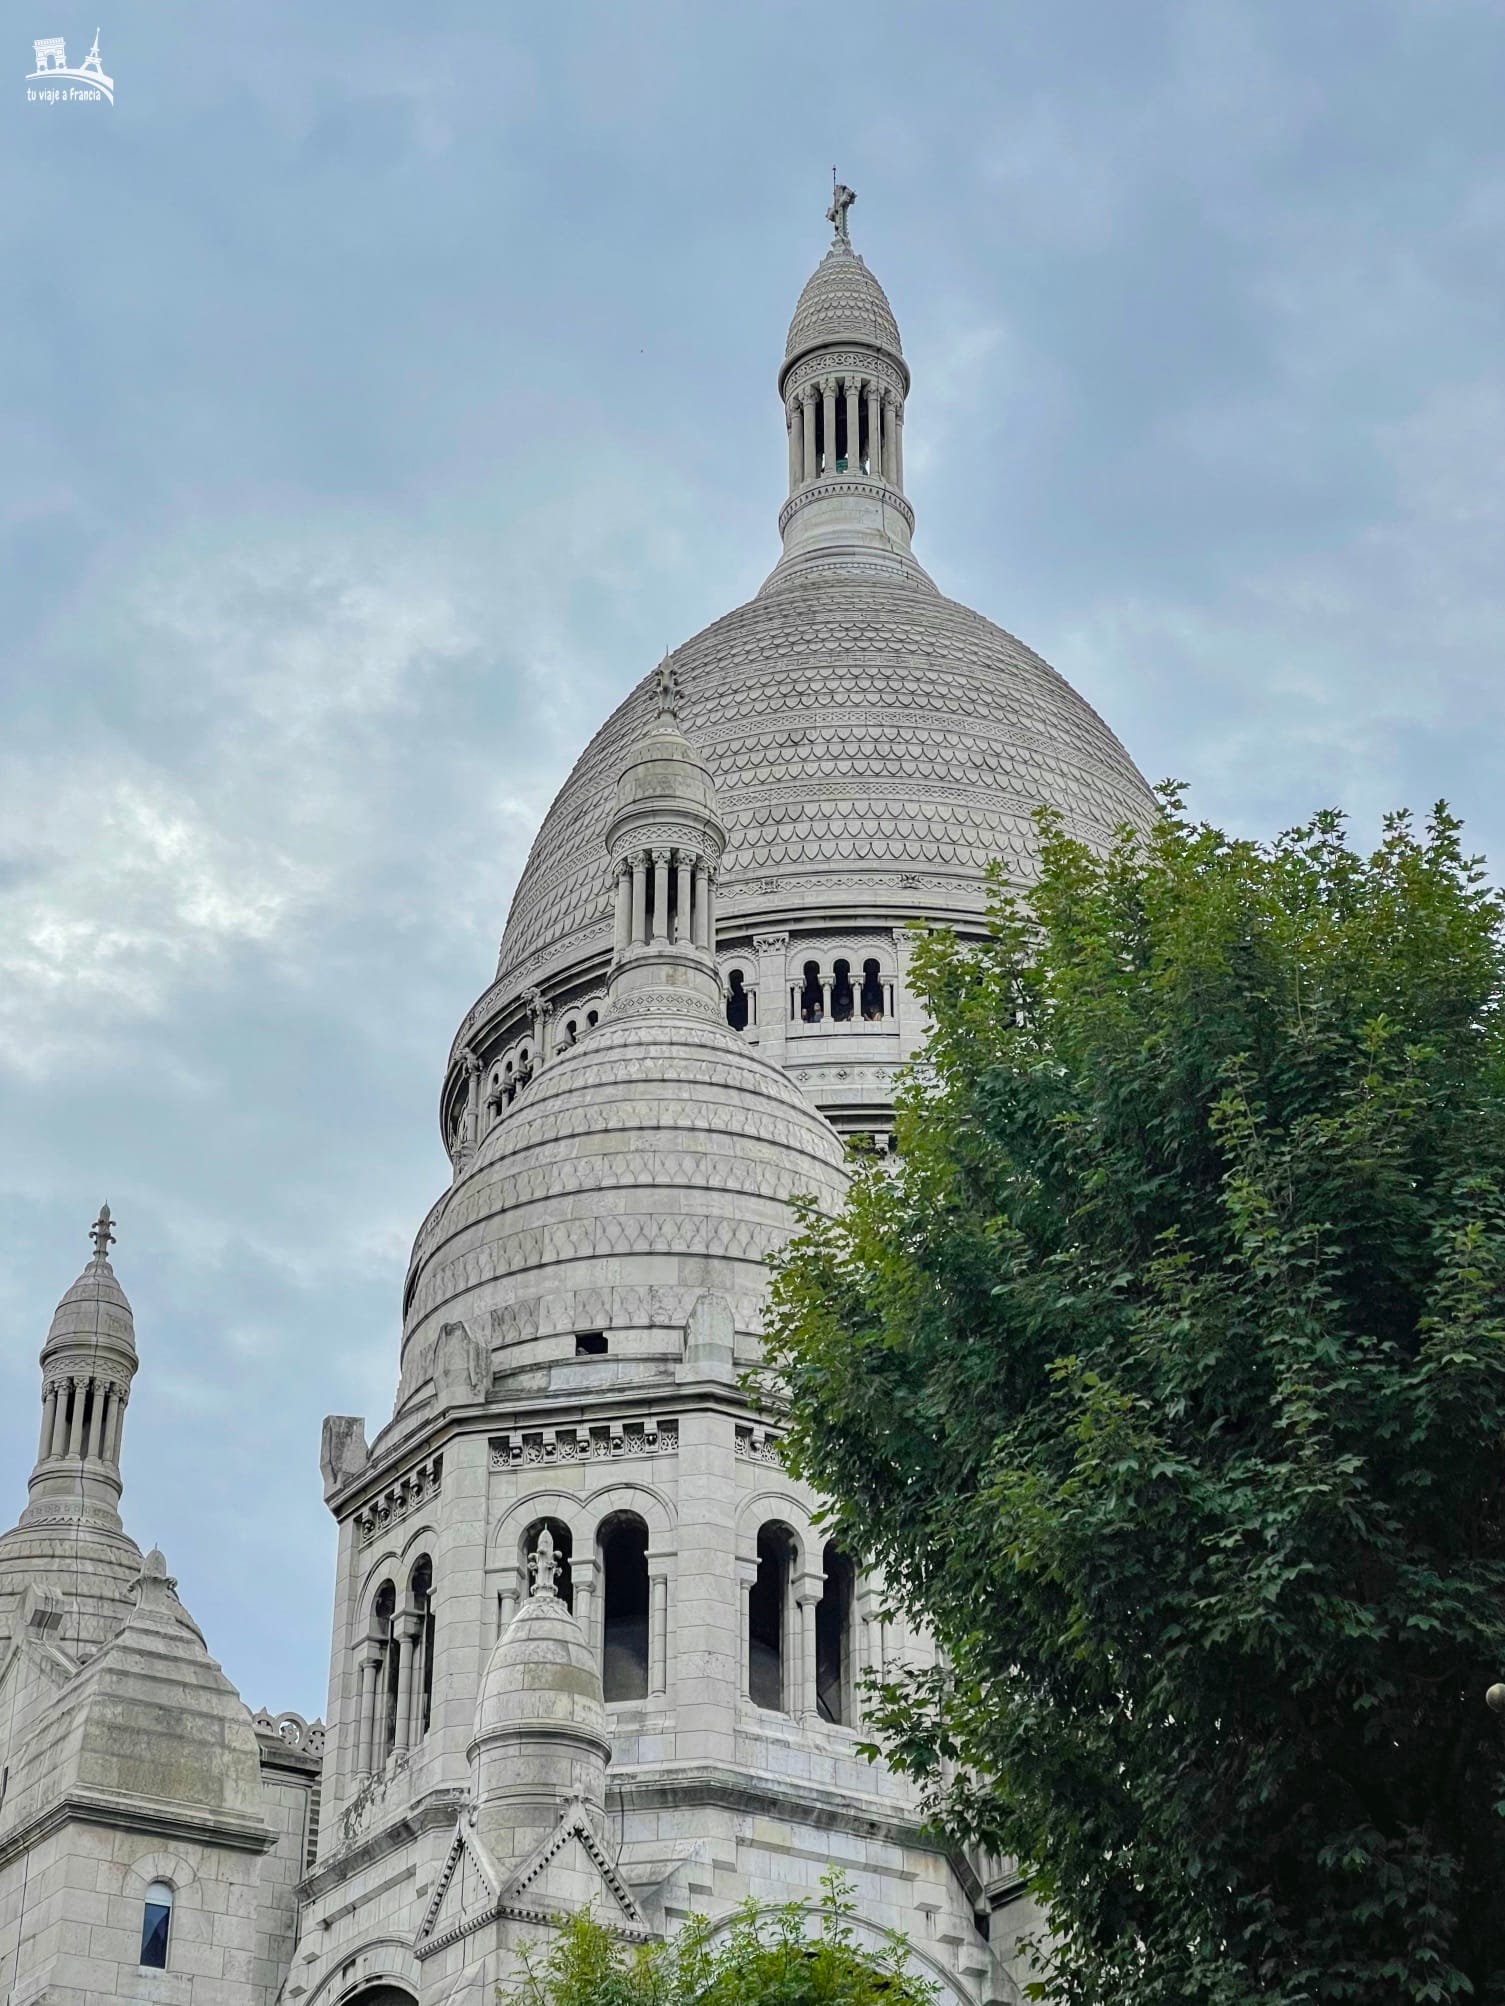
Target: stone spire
844, 384
88, 1363
665, 841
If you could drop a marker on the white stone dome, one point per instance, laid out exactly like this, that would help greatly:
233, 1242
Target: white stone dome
842, 301
542, 1675
873, 745
655, 1161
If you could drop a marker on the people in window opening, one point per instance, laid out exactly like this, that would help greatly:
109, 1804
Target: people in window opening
156, 1926
736, 1002
812, 997
841, 993
872, 991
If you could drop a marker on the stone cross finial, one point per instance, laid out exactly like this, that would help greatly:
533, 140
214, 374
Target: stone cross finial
101, 1234
542, 1564
842, 199
668, 693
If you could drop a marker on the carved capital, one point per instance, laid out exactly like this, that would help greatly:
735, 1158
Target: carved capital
662, 859
810, 392
828, 386
471, 1063
770, 943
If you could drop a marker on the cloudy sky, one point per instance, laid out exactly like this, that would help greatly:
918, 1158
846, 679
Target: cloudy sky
382, 388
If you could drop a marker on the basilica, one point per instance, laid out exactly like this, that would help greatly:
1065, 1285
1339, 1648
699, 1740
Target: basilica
590, 1645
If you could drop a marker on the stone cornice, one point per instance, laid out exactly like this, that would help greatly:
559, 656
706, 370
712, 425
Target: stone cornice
436, 1812
123, 1813
827, 485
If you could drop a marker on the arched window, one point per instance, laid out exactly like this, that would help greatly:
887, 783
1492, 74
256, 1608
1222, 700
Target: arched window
421, 1687
872, 991
509, 1083
624, 1604
571, 1032
564, 1546
768, 1619
156, 1925
386, 1678
833, 1639
841, 993
592, 1019
736, 1002
812, 998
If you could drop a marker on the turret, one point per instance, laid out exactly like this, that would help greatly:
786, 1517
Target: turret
665, 840
88, 1363
541, 1741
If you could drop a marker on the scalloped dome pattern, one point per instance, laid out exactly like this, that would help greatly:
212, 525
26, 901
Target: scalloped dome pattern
842, 301
879, 740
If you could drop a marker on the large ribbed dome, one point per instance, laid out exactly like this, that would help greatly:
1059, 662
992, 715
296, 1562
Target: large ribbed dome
872, 745
842, 301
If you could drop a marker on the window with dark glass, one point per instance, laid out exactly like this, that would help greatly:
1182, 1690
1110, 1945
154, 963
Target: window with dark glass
156, 1926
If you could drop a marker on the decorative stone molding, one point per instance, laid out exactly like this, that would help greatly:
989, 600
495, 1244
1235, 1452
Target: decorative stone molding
843, 484
608, 1442
759, 1445
416, 1488
292, 1730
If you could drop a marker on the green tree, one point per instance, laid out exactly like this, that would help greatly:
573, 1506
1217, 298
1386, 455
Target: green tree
1165, 1381
767, 1957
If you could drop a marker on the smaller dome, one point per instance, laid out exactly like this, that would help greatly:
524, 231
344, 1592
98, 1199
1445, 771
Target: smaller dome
842, 301
542, 1676
95, 1312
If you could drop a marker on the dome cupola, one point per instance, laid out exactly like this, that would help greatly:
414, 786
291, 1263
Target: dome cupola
665, 840
844, 381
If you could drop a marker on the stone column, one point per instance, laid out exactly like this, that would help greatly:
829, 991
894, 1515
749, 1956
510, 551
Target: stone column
888, 436
639, 865
403, 1632
621, 932
472, 1065
681, 896
661, 894
874, 430
899, 444
794, 424
854, 424
747, 1578
60, 1428
710, 906
506, 1608
49, 1422
658, 1634
697, 936
420, 1657
807, 404
117, 1425
101, 1412
370, 1672
806, 1707
583, 1585
76, 1426
828, 423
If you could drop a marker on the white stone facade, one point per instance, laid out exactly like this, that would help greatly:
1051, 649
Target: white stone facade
589, 1642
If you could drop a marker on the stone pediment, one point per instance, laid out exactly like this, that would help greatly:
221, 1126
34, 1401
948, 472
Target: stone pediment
569, 1872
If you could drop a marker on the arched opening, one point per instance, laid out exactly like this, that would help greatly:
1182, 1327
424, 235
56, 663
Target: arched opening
812, 997
833, 1638
509, 1082
736, 1002
841, 993
564, 1546
872, 991
383, 1611
592, 1019
421, 1678
768, 1619
624, 1606
156, 1926
571, 1032
379, 1994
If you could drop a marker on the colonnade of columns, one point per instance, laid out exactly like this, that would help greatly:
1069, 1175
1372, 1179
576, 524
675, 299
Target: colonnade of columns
810, 457
82, 1417
383, 1728
665, 896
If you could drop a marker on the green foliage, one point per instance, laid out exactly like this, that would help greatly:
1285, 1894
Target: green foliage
765, 1958
1165, 1381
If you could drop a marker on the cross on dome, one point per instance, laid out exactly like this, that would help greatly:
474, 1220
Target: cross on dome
842, 199
102, 1236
